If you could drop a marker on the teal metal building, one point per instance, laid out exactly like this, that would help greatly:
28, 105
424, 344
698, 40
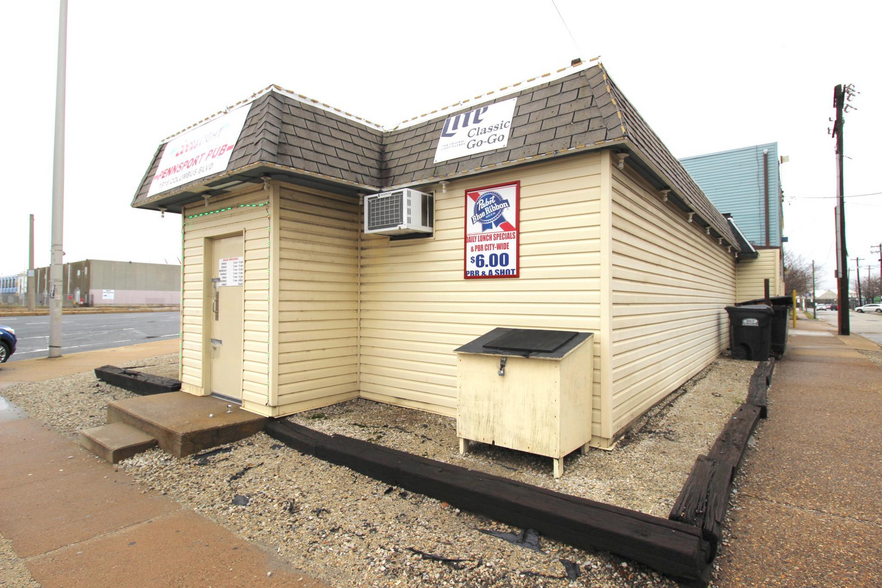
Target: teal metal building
745, 183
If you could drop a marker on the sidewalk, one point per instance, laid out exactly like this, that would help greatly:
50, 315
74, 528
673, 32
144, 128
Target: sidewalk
43, 368
77, 521
809, 506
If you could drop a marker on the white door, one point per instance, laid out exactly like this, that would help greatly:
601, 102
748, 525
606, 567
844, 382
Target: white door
225, 318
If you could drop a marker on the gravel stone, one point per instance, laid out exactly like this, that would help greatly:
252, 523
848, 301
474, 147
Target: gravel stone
873, 355
351, 530
13, 571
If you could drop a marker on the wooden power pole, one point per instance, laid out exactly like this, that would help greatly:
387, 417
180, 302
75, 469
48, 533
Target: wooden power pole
841, 94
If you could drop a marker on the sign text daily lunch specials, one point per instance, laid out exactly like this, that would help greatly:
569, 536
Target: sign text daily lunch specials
198, 153
491, 231
482, 129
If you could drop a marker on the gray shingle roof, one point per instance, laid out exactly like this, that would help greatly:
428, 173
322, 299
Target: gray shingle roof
639, 133
582, 111
287, 133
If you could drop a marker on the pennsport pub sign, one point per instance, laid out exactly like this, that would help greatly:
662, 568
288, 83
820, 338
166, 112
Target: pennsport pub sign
492, 236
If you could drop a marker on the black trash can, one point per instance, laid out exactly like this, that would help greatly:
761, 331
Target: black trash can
750, 331
780, 323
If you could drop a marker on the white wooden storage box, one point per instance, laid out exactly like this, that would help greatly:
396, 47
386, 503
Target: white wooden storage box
528, 390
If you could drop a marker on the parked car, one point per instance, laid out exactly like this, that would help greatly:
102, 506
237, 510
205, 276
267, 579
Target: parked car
870, 308
822, 307
7, 343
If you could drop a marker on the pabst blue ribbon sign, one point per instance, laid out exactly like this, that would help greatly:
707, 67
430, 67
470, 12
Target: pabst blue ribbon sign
198, 153
491, 231
482, 129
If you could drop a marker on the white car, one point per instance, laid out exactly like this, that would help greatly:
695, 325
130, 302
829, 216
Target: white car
870, 308
822, 307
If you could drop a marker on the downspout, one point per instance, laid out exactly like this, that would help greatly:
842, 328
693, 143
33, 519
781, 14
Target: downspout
358, 298
766, 192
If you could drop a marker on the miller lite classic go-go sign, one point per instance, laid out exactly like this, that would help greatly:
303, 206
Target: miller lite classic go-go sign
491, 231
482, 129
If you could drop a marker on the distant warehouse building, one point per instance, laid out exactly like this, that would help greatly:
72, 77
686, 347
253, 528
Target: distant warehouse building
95, 282
13, 288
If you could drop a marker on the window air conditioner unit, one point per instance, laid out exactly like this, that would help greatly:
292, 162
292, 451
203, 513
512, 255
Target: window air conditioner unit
399, 212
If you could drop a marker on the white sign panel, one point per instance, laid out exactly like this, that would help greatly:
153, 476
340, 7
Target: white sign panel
482, 129
231, 271
198, 153
491, 231
107, 294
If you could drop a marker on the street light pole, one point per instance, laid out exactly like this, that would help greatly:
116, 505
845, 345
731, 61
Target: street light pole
31, 278
56, 270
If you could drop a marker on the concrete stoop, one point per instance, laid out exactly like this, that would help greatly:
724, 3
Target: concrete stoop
115, 442
180, 423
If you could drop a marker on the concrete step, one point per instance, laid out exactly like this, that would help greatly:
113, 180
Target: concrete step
184, 424
115, 442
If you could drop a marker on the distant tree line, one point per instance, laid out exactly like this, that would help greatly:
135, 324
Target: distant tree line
798, 276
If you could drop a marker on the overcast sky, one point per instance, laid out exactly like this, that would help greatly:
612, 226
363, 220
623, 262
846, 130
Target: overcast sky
706, 76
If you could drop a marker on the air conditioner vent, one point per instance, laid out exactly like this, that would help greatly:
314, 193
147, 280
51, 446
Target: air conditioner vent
399, 212
383, 213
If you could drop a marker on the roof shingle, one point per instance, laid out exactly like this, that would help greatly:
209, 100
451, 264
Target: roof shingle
584, 110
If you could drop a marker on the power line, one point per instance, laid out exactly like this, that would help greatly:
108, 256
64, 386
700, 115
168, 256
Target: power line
847, 196
578, 49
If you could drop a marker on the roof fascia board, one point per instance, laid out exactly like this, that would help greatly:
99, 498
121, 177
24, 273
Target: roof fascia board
200, 184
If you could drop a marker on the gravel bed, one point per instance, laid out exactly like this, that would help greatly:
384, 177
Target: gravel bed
13, 571
350, 530
71, 403
874, 356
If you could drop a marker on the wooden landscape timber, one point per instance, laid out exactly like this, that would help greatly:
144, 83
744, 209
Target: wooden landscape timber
732, 442
671, 547
137, 382
759, 386
702, 501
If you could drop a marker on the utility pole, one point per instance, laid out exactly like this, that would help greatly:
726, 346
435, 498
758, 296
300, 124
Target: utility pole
857, 267
879, 251
56, 292
814, 290
841, 94
31, 279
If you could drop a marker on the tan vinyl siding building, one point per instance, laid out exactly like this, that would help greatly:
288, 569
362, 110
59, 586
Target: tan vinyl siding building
668, 294
416, 308
751, 275
614, 239
317, 286
247, 214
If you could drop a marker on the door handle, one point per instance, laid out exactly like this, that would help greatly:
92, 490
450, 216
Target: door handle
215, 302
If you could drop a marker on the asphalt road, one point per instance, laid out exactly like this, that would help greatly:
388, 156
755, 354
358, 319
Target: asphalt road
87, 332
866, 324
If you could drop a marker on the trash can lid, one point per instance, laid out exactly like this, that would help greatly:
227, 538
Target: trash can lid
538, 343
750, 309
775, 300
